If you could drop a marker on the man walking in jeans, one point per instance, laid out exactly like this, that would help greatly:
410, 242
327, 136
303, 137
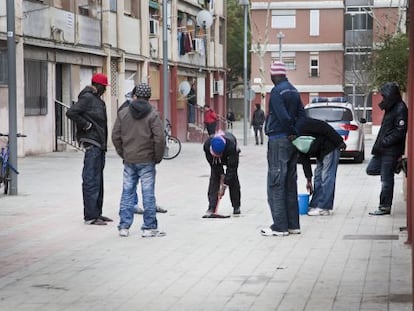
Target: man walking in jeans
138, 137
285, 109
89, 114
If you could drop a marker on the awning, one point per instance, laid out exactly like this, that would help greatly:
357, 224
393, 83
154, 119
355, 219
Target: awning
153, 4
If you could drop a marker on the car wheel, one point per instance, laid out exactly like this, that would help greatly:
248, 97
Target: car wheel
360, 157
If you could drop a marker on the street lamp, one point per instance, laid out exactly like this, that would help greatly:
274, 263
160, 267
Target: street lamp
280, 36
353, 60
165, 77
245, 3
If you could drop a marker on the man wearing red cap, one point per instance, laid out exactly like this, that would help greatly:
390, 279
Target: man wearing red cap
285, 110
89, 114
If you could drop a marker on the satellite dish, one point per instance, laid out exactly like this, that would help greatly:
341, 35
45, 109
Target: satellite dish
184, 88
204, 19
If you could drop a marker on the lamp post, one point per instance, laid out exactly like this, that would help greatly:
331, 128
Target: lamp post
166, 87
280, 36
245, 4
353, 59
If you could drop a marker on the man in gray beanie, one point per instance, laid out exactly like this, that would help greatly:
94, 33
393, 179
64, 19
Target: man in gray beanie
138, 137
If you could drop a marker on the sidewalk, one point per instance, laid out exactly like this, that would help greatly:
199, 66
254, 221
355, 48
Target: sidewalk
50, 260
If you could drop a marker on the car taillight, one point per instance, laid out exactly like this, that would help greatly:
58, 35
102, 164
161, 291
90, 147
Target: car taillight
349, 127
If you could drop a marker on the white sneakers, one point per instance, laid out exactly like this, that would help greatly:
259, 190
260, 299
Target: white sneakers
152, 233
270, 232
316, 211
145, 233
123, 232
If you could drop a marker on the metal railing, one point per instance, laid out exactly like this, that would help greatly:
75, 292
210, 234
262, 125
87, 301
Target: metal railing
65, 130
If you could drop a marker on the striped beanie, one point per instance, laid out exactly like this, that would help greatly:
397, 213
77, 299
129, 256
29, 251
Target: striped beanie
278, 68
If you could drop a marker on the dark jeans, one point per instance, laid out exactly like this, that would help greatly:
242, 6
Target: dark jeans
211, 128
384, 165
214, 186
258, 131
92, 182
282, 192
191, 113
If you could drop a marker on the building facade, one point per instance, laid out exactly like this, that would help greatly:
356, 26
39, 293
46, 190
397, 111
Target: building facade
61, 43
324, 44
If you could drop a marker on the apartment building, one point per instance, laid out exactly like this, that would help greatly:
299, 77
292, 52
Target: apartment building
324, 44
61, 43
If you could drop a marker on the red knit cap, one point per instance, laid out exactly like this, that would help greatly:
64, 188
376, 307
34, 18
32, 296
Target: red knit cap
278, 68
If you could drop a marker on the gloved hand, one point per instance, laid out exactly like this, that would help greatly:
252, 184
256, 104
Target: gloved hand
309, 186
342, 146
292, 137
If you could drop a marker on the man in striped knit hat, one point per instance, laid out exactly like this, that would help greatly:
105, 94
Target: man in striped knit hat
285, 110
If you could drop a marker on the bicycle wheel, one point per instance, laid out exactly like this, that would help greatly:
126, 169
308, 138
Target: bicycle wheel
172, 147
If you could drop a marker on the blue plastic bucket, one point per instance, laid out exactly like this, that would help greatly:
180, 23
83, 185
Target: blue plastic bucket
303, 202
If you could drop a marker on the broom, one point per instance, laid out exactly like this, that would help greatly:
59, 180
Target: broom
215, 214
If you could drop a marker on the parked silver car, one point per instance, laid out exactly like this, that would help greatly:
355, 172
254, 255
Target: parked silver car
341, 116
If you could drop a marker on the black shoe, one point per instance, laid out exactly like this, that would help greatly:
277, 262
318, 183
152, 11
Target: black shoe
97, 222
161, 210
104, 218
236, 211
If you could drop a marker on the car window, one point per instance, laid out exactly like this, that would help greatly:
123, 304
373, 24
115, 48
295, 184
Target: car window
330, 114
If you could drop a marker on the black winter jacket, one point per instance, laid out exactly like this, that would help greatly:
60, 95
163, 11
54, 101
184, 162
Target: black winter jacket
89, 114
391, 136
326, 140
229, 157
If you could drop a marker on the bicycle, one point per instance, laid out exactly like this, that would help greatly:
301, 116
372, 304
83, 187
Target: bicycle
5, 165
172, 143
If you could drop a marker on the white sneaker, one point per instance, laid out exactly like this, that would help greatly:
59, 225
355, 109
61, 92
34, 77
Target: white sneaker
270, 232
294, 231
123, 232
319, 212
152, 233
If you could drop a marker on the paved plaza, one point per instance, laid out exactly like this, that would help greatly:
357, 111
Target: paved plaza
51, 261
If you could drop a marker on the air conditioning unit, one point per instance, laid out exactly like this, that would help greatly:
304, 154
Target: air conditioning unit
154, 27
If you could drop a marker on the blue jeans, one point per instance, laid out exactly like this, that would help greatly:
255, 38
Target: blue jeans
131, 176
384, 165
324, 181
92, 182
282, 192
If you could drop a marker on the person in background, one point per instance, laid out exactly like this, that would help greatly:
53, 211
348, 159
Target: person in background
230, 119
89, 115
258, 119
222, 150
210, 120
192, 103
285, 110
389, 145
138, 138
326, 148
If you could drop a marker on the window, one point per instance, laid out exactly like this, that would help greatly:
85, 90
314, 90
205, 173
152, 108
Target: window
35, 88
290, 63
358, 18
314, 66
131, 8
90, 8
3, 66
284, 19
314, 23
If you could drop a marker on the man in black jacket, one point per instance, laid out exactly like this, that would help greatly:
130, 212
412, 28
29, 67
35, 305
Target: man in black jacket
326, 149
257, 123
222, 150
389, 145
89, 114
